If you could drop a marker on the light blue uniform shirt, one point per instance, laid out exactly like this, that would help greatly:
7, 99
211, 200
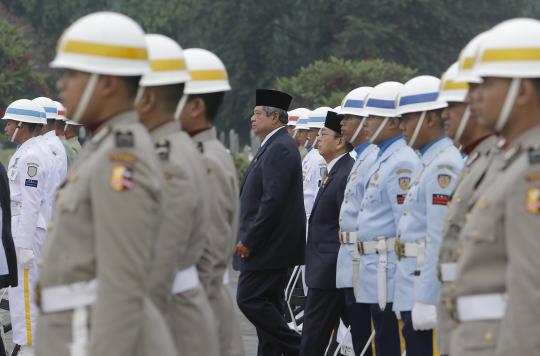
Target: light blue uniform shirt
366, 154
385, 188
423, 219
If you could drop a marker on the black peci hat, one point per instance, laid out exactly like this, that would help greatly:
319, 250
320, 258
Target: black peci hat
333, 121
273, 98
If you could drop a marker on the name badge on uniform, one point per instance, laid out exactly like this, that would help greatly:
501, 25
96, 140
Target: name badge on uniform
31, 183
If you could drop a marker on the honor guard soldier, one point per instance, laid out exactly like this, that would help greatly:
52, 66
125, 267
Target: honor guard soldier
294, 115
497, 282
313, 165
386, 184
68, 132
271, 237
324, 303
98, 255
348, 261
301, 131
28, 222
419, 232
183, 235
478, 147
206, 90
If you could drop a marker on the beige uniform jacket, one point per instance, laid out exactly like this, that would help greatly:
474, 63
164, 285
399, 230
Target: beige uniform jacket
471, 176
498, 222
181, 240
104, 229
223, 226
519, 213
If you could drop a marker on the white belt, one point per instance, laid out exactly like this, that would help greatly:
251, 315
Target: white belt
185, 280
481, 307
410, 249
347, 237
371, 247
68, 297
448, 272
16, 207
381, 248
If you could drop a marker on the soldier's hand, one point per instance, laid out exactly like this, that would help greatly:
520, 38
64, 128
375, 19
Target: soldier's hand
26, 257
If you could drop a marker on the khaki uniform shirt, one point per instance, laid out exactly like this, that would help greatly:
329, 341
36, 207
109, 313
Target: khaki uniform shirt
223, 227
103, 229
181, 240
501, 226
471, 176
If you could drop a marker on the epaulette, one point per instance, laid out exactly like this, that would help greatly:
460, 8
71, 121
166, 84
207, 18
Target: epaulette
100, 135
123, 138
163, 149
510, 155
534, 154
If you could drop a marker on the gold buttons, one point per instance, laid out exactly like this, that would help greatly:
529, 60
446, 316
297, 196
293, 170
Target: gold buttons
488, 336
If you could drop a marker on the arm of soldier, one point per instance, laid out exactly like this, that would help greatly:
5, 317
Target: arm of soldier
278, 175
520, 324
126, 204
32, 193
397, 185
440, 184
174, 230
311, 187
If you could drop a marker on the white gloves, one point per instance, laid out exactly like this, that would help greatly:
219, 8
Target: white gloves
398, 315
26, 257
424, 316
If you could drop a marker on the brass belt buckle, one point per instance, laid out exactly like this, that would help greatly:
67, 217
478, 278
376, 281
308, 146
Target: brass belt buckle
360, 247
398, 249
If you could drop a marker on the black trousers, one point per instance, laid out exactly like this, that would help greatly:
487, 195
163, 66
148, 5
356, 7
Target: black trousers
260, 298
386, 331
359, 318
418, 343
322, 311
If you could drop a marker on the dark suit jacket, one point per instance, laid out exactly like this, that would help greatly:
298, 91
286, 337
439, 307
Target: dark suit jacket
323, 243
9, 279
272, 218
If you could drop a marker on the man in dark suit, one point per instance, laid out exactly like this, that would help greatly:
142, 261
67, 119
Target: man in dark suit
271, 235
324, 302
9, 265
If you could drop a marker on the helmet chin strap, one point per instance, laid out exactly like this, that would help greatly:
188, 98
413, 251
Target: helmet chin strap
138, 96
508, 104
417, 128
357, 132
85, 97
16, 132
294, 133
379, 130
180, 108
462, 124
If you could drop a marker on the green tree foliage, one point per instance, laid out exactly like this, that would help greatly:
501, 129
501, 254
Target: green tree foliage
325, 83
260, 41
18, 78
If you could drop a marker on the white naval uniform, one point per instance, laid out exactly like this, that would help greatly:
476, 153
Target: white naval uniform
28, 192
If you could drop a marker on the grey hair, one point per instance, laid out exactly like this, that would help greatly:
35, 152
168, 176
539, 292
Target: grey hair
283, 116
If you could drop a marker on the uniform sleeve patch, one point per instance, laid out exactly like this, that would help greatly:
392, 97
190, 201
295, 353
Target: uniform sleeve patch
404, 182
441, 199
122, 178
444, 180
31, 183
32, 169
400, 199
163, 149
532, 202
